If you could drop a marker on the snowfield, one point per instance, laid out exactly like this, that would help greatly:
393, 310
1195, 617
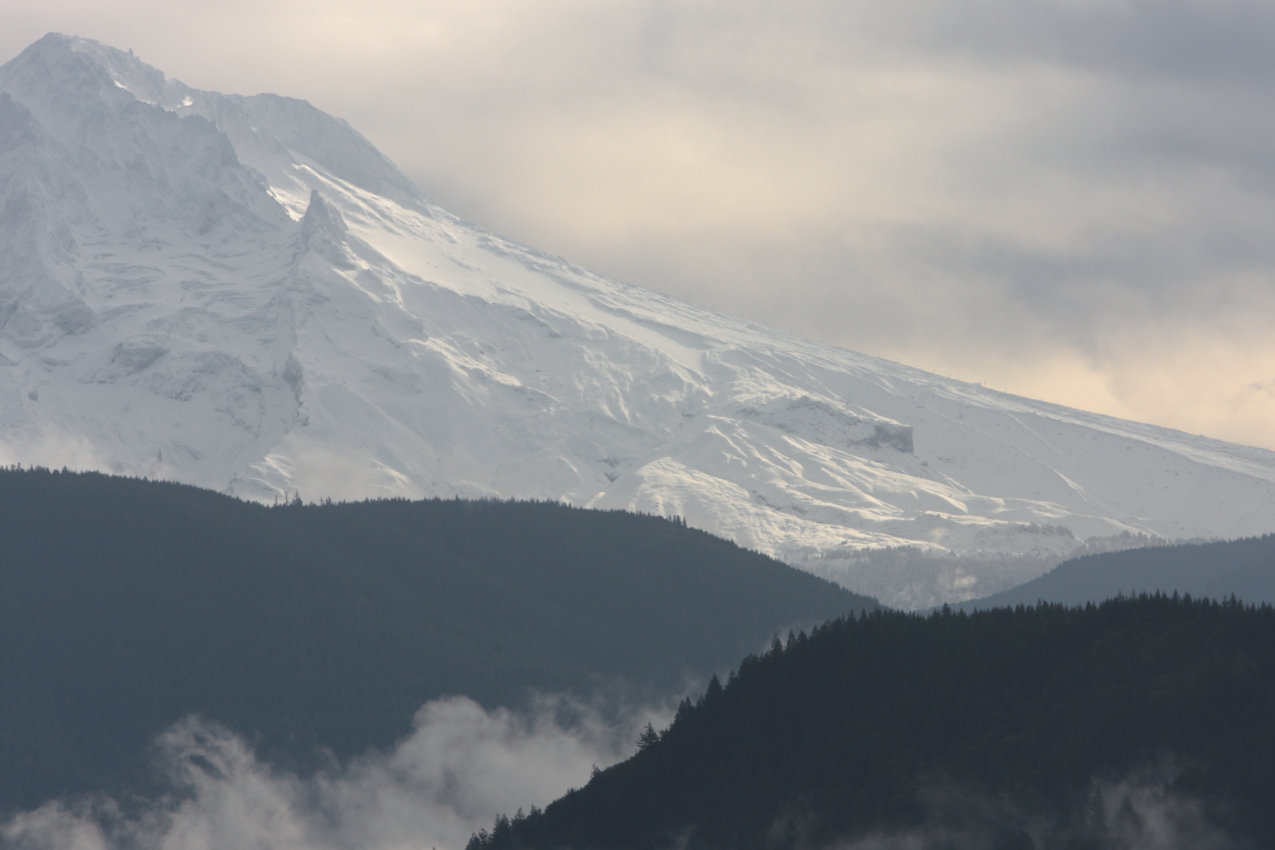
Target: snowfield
242, 293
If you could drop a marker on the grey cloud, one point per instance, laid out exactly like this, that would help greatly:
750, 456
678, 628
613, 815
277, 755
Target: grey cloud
463, 765
1190, 39
459, 768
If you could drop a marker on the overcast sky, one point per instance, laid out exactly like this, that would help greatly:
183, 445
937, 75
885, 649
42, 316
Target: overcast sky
1070, 199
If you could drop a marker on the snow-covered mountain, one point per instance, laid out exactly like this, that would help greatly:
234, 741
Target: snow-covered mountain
243, 293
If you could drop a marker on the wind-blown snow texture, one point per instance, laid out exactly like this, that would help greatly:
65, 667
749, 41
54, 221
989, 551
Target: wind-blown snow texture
242, 293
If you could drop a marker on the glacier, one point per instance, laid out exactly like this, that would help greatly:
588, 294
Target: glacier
243, 294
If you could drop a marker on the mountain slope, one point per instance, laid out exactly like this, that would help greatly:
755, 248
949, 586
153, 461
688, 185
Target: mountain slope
1241, 568
242, 293
126, 605
1136, 723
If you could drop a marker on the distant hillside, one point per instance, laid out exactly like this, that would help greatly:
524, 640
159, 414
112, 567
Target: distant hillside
1245, 568
127, 604
1137, 723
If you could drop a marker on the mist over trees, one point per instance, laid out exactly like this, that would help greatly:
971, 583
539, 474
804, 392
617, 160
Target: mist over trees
1032, 727
126, 605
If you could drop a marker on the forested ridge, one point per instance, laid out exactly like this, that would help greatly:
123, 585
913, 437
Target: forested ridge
127, 604
1217, 569
994, 729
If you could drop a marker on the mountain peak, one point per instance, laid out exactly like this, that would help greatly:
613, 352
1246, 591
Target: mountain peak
75, 72
331, 142
65, 78
158, 310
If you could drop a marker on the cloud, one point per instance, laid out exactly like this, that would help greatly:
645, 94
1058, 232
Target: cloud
461, 766
1069, 199
56, 449
1139, 812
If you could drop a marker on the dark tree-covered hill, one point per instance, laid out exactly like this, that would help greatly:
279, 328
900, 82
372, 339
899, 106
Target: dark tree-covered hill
1243, 568
127, 604
1040, 727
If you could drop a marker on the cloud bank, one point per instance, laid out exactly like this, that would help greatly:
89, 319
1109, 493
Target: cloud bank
463, 765
1069, 199
460, 767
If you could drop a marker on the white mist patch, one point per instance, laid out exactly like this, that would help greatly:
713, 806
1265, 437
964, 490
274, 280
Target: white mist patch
55, 448
461, 766
1139, 812
1141, 815
317, 472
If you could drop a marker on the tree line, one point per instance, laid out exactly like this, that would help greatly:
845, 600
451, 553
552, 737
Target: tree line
1005, 720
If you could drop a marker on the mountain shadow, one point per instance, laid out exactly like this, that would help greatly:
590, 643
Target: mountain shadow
1137, 722
126, 605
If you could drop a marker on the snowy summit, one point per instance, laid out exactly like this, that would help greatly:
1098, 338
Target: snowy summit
242, 293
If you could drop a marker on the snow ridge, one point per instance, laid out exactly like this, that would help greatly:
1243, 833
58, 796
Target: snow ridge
242, 293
